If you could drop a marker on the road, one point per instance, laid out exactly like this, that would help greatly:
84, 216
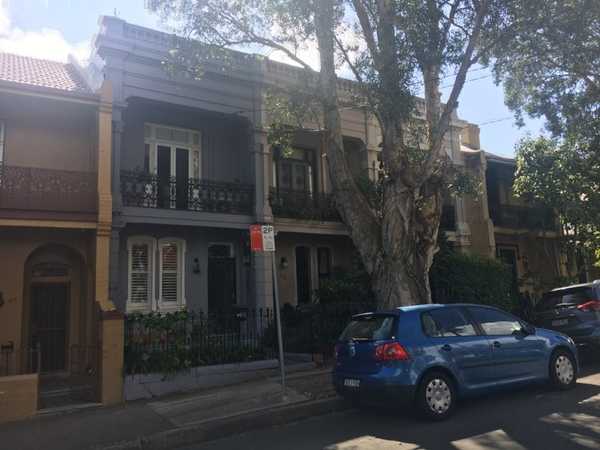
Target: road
531, 418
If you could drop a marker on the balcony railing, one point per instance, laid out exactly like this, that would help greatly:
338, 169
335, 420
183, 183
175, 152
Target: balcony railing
147, 190
33, 189
304, 205
522, 217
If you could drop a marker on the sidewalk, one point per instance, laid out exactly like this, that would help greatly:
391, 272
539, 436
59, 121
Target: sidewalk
178, 419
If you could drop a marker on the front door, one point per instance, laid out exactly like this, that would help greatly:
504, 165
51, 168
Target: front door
303, 275
49, 311
221, 278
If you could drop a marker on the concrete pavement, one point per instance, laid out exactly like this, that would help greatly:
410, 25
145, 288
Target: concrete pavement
532, 418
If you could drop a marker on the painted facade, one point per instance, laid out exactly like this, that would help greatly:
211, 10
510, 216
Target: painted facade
55, 221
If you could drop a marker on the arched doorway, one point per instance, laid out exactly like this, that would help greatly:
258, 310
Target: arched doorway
55, 312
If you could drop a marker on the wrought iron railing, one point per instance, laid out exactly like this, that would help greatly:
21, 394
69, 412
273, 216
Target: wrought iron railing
522, 217
30, 188
147, 190
172, 342
304, 205
19, 361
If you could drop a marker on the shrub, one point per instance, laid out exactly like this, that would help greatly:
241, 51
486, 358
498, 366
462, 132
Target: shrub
462, 278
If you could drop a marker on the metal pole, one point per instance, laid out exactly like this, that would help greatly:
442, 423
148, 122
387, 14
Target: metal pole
278, 319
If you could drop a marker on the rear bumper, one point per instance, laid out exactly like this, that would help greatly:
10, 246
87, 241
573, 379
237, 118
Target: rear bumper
375, 392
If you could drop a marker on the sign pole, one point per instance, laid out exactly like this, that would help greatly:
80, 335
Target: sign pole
262, 239
278, 319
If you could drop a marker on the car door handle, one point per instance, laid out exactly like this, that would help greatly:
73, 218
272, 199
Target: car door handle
447, 348
497, 344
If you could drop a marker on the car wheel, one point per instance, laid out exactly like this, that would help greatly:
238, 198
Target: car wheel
436, 396
563, 370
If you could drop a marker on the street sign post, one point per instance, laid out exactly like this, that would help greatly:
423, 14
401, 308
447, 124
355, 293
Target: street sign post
262, 239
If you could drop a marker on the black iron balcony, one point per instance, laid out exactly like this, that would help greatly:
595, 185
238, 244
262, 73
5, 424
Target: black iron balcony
147, 190
523, 217
47, 190
303, 205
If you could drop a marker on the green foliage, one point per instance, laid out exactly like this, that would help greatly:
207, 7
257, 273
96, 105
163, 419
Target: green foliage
463, 278
168, 343
351, 286
562, 175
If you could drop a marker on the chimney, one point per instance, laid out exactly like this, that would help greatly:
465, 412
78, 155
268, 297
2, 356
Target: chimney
469, 136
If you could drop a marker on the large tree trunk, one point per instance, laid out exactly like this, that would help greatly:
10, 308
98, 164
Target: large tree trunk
396, 249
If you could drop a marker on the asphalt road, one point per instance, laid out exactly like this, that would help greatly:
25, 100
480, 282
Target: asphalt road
531, 418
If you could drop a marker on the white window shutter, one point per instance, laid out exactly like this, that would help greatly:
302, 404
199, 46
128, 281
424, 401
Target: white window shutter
140, 274
170, 272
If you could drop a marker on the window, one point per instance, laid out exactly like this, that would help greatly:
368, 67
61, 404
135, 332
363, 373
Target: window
140, 287
221, 251
294, 170
2, 132
174, 151
171, 257
566, 298
494, 322
369, 328
447, 322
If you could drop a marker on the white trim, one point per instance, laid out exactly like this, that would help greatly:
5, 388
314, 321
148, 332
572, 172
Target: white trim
149, 305
181, 255
194, 150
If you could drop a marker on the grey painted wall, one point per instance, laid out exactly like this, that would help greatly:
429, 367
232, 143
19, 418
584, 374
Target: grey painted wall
197, 242
225, 146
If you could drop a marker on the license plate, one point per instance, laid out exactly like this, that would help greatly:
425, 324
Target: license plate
351, 383
560, 323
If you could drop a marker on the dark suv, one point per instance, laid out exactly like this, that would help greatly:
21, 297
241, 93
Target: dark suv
572, 310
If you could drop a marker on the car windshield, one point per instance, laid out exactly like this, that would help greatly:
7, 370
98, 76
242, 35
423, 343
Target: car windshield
565, 298
374, 327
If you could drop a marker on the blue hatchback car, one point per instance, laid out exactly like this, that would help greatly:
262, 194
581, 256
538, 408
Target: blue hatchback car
431, 355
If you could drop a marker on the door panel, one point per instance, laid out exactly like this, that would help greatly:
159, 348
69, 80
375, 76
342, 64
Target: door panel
455, 339
182, 173
221, 284
303, 275
164, 176
49, 310
516, 356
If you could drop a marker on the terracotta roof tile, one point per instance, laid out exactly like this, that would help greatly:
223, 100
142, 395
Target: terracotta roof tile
42, 73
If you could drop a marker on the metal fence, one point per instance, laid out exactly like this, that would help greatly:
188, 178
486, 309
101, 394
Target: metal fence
171, 342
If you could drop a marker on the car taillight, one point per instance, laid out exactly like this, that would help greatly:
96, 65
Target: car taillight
392, 351
592, 305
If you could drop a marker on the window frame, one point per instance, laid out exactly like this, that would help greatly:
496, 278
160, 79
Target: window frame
150, 304
194, 150
466, 316
180, 303
490, 308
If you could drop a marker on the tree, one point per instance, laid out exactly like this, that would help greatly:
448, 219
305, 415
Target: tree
551, 69
394, 47
560, 174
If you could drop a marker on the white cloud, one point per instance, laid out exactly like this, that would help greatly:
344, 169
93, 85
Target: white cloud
46, 43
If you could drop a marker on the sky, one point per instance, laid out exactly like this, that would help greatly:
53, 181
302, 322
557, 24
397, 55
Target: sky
53, 29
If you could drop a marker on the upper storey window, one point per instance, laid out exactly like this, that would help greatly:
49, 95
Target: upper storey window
294, 170
172, 152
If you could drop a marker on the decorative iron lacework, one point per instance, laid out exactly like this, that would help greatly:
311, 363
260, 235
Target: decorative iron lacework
30, 188
151, 191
